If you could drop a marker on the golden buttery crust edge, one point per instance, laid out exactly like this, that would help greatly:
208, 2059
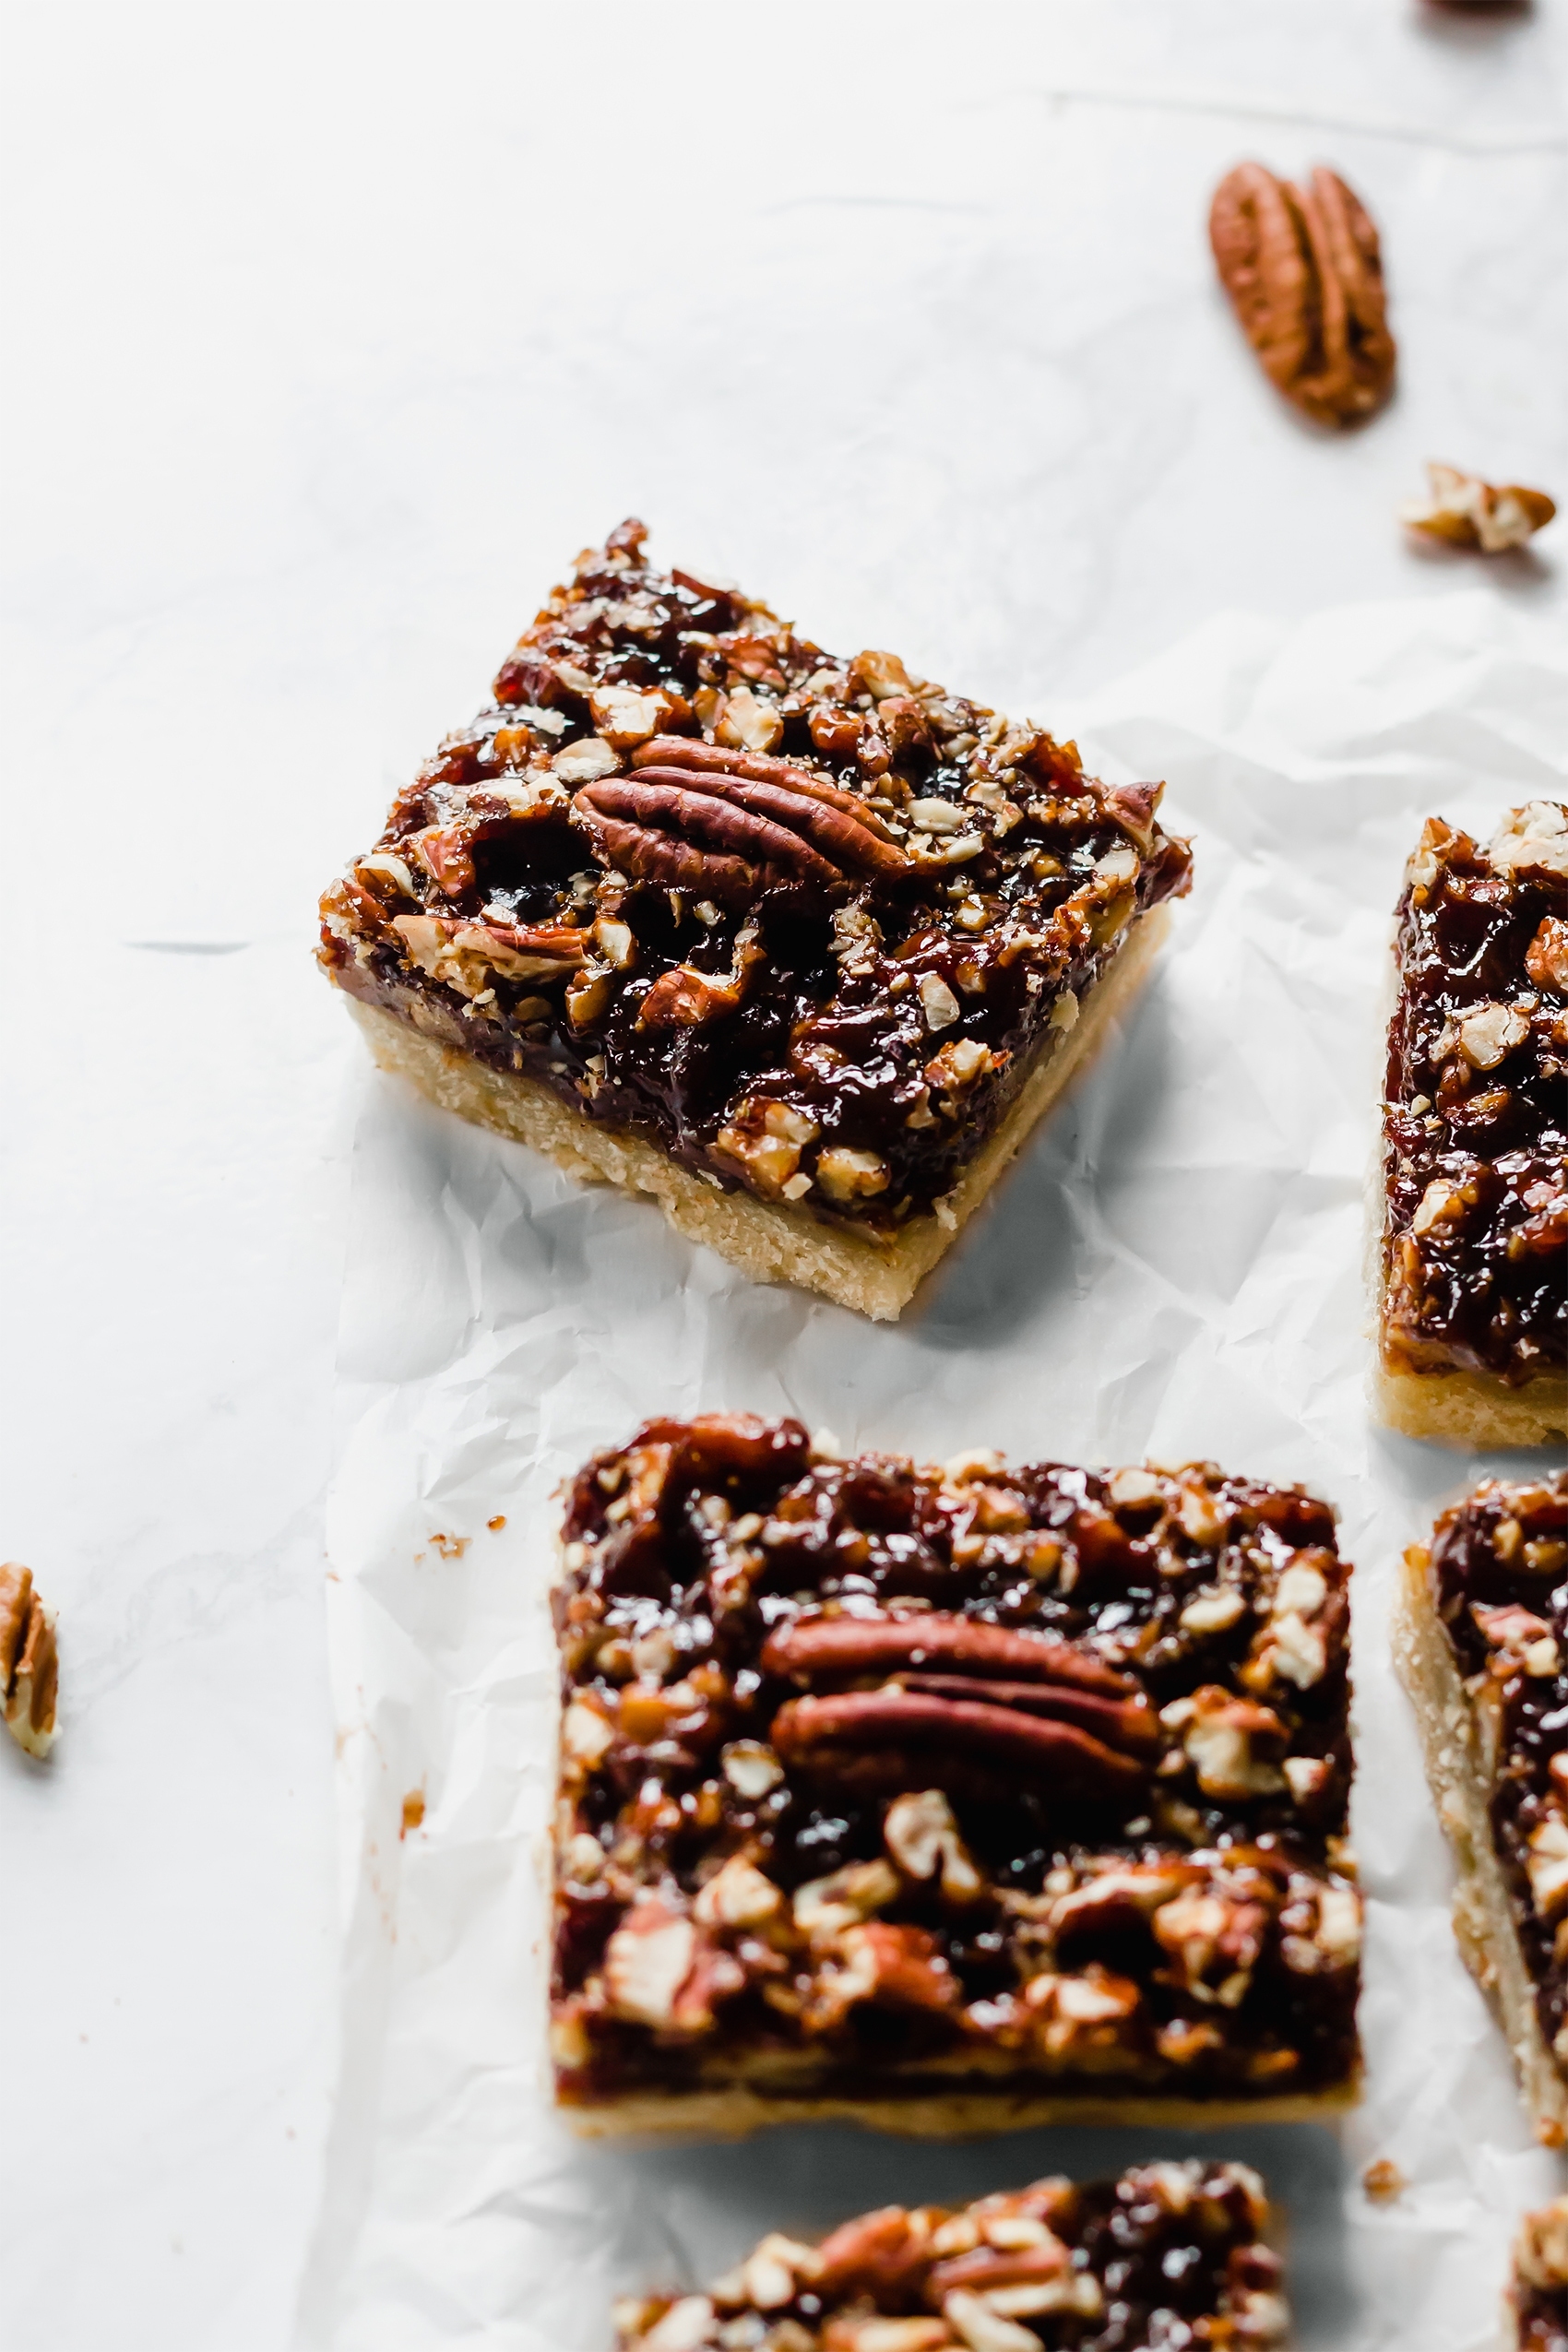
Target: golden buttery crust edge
1483, 1919
733, 2113
768, 1242
1466, 1409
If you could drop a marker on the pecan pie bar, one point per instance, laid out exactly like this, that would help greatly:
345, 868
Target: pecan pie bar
1482, 1646
1168, 2255
802, 947
1474, 1299
949, 1799
1537, 2296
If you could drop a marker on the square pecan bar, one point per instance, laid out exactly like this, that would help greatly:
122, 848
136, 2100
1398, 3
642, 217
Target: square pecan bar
1168, 2255
1538, 2295
801, 947
1482, 1646
1473, 1295
949, 1799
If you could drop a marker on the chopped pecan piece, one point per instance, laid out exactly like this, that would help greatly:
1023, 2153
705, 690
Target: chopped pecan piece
1468, 511
30, 1664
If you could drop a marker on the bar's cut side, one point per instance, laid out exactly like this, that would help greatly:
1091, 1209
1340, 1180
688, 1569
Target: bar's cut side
801, 946
1168, 2255
1482, 1646
948, 1798
1474, 1255
1538, 2293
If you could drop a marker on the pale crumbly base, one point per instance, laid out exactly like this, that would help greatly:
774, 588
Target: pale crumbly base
771, 1242
1467, 1409
732, 2112
1483, 1917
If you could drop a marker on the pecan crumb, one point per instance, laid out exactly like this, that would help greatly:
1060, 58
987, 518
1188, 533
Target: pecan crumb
29, 1666
1384, 2181
1468, 511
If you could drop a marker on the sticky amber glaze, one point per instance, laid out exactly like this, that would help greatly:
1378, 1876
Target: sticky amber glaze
1167, 2256
1114, 1709
1476, 1122
1499, 1564
572, 888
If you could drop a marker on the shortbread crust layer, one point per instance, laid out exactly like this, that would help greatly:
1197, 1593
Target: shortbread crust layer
770, 1241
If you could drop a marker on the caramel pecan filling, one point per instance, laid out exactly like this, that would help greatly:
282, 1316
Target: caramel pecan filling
807, 921
875, 1774
1499, 1574
1539, 2294
1474, 1127
1169, 2254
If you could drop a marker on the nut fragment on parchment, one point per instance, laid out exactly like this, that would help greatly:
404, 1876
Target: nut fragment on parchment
1468, 512
29, 1666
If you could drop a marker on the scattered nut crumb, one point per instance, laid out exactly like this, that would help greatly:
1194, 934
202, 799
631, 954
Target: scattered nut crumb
1382, 2181
450, 1547
30, 1665
413, 1811
1468, 511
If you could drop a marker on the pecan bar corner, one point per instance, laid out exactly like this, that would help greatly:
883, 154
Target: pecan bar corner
948, 1798
802, 947
1473, 1253
1537, 2317
1169, 2254
1481, 1643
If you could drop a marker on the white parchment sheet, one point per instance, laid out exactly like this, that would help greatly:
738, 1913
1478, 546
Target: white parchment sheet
1174, 1269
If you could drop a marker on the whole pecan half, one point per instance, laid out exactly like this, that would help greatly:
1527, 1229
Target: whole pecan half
1121, 1723
814, 1648
884, 1737
730, 825
1304, 273
1002, 1701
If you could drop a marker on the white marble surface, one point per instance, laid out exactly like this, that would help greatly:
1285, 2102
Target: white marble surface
333, 331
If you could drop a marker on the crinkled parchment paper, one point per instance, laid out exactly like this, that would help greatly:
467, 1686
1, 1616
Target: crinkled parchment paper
1174, 1269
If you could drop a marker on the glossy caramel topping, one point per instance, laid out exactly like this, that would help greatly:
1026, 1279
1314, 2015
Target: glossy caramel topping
1168, 2255
878, 1765
1476, 1123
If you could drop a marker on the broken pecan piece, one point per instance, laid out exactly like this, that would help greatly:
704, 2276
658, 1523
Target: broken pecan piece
1468, 512
30, 1665
1304, 271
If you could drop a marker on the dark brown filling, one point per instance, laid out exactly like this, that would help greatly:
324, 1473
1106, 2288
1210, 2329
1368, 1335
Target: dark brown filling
1133, 2264
1478, 1209
833, 959
1500, 1561
1148, 1811
1542, 2319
